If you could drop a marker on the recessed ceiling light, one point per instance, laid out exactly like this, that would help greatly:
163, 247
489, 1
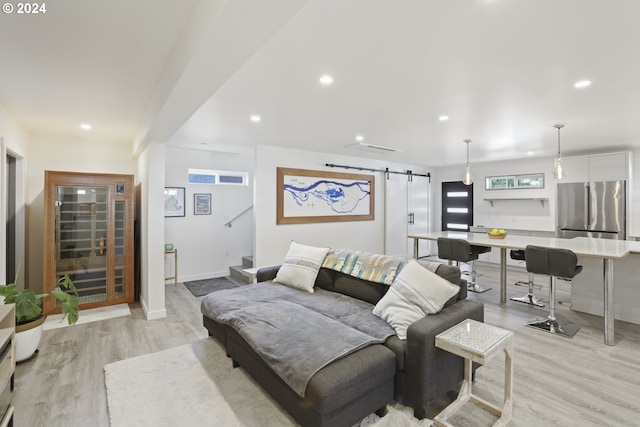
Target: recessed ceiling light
85, 126
326, 80
255, 118
582, 83
529, 153
443, 118
359, 138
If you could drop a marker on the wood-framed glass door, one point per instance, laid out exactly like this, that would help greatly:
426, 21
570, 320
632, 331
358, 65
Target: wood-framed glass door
89, 236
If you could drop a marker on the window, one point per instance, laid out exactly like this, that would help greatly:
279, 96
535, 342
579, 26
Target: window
215, 177
510, 182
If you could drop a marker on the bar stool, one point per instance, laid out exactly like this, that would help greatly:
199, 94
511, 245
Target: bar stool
554, 263
529, 298
460, 250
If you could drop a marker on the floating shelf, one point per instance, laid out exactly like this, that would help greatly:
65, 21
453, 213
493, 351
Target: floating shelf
541, 200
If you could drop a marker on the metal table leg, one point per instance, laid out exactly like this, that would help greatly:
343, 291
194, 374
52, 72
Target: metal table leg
503, 275
609, 309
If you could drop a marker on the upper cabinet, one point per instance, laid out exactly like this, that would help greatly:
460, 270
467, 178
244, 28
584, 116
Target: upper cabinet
577, 169
600, 167
609, 167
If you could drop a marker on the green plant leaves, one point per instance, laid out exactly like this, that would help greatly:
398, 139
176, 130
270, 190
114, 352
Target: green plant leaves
28, 305
69, 305
9, 293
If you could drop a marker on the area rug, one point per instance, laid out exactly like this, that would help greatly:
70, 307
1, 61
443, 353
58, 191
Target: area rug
87, 316
203, 287
195, 385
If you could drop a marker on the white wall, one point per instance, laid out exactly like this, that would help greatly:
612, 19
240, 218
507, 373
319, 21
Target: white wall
13, 140
527, 215
272, 241
63, 153
150, 186
206, 248
512, 214
520, 214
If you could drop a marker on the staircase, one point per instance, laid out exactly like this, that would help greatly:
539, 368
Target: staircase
237, 275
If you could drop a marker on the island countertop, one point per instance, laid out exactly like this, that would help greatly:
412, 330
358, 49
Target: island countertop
604, 250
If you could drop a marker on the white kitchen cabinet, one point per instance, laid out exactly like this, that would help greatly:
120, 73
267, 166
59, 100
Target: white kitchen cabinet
577, 169
599, 167
608, 167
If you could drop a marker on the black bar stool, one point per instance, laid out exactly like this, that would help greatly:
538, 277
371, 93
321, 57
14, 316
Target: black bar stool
460, 250
555, 263
529, 298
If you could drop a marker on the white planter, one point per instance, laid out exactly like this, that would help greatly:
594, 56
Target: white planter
28, 339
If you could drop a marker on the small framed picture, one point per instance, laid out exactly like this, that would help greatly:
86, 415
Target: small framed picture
120, 188
173, 201
202, 204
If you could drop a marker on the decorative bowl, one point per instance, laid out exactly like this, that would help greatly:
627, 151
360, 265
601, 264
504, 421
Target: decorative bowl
168, 246
497, 236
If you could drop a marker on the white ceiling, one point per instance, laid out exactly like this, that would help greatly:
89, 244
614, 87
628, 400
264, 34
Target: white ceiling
502, 70
95, 62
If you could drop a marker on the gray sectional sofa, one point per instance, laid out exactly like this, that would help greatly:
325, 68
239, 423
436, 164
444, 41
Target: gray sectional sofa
413, 371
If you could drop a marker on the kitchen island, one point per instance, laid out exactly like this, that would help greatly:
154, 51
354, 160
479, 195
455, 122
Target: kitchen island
589, 250
586, 290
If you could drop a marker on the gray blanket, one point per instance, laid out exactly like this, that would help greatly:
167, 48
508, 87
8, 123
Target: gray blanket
297, 333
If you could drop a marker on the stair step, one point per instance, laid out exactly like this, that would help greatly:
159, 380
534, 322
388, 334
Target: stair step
238, 275
247, 261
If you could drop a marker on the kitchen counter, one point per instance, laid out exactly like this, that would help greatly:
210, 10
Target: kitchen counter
592, 251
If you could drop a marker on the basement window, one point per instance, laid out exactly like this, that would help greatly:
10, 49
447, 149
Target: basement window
216, 177
511, 182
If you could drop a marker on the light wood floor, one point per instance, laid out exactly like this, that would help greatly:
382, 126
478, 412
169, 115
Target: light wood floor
558, 382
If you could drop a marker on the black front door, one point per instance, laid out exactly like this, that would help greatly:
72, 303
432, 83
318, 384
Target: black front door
457, 206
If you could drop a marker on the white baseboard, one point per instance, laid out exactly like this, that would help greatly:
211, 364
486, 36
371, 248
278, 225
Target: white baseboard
152, 315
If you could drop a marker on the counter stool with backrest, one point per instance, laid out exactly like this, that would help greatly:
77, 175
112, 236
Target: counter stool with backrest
460, 250
555, 263
529, 298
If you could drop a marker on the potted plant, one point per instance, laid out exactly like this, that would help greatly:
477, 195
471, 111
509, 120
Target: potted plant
29, 316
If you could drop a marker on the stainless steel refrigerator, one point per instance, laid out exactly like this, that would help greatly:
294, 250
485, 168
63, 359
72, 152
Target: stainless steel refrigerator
592, 209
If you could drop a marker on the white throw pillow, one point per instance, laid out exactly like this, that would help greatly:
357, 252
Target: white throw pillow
300, 267
415, 293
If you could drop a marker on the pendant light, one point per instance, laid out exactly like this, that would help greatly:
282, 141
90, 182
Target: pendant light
558, 168
468, 178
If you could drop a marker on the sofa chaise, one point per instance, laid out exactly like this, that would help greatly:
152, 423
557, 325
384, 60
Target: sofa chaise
362, 380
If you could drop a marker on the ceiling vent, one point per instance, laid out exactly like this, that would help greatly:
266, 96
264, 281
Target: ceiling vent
372, 147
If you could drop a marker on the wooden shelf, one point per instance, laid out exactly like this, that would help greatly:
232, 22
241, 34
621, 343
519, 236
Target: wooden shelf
541, 200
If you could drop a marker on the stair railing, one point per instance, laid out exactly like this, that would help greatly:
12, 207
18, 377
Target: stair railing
228, 223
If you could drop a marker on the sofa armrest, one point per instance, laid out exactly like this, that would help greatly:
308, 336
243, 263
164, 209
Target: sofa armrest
267, 273
431, 372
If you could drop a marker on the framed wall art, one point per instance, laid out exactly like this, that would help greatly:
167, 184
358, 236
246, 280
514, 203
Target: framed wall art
202, 204
308, 196
173, 201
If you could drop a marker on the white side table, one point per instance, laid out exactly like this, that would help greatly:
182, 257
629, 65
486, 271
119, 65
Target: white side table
174, 251
478, 342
